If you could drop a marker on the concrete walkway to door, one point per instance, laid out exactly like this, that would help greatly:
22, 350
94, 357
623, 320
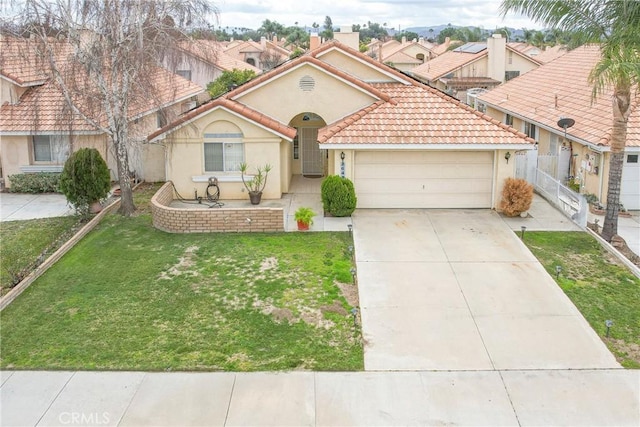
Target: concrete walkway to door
458, 290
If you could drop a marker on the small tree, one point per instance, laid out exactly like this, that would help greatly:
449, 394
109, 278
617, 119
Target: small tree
227, 80
85, 179
338, 196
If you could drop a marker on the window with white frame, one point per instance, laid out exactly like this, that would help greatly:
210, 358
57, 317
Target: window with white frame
184, 74
530, 130
508, 120
223, 152
50, 148
553, 144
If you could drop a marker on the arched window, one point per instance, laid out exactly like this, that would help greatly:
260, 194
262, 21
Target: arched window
251, 61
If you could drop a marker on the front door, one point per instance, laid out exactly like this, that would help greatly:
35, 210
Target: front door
312, 155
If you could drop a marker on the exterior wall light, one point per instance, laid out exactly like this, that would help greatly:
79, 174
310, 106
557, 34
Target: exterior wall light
507, 156
342, 155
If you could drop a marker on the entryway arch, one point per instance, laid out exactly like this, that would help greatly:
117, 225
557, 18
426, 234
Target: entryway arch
307, 157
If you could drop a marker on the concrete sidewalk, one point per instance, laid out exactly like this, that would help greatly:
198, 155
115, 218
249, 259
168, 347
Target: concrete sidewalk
481, 398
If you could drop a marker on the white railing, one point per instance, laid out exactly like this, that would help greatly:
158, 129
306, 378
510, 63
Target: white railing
572, 204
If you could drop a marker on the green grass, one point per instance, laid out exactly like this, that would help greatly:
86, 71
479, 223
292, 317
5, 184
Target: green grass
132, 297
600, 287
24, 243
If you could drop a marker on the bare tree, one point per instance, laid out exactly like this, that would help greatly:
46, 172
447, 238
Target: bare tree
113, 63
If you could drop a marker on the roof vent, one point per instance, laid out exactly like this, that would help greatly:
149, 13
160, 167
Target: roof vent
307, 83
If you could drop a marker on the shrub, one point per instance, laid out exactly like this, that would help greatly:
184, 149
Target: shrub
41, 182
338, 196
517, 196
85, 179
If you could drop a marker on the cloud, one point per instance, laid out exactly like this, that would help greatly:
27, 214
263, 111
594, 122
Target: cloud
395, 13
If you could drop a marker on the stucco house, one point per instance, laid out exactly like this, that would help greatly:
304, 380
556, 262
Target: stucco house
404, 55
336, 110
263, 55
203, 61
475, 65
535, 102
38, 131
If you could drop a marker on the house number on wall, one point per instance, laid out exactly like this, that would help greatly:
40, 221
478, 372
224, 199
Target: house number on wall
342, 168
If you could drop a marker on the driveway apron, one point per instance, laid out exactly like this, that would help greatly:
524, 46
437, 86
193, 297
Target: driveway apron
458, 290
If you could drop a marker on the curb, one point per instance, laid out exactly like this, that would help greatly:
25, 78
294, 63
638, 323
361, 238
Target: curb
631, 266
27, 281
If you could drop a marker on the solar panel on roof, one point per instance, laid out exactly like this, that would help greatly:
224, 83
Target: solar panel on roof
471, 48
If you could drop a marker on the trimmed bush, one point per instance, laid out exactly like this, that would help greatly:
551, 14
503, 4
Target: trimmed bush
517, 195
85, 179
338, 196
41, 182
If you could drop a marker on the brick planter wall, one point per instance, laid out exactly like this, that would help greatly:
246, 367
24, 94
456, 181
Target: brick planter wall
209, 220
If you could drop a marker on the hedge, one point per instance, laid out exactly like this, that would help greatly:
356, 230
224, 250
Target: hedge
40, 182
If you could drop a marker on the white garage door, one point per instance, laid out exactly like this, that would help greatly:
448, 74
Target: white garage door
418, 179
630, 187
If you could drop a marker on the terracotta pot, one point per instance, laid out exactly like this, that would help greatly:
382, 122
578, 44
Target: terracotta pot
255, 197
302, 226
95, 207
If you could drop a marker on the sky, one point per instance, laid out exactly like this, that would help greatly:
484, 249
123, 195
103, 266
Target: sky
397, 14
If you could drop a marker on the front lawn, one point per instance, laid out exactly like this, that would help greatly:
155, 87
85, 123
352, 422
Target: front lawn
600, 287
25, 244
133, 298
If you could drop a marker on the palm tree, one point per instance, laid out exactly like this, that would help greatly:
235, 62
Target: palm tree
615, 24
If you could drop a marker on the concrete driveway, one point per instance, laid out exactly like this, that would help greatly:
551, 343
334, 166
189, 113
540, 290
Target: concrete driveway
457, 290
14, 207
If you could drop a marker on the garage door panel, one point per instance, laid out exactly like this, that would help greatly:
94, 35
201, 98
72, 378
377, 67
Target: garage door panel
410, 186
421, 157
630, 185
429, 171
424, 179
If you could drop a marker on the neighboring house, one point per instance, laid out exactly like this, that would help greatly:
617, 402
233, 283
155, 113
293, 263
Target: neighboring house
543, 56
338, 111
475, 66
403, 55
203, 61
535, 102
38, 131
264, 55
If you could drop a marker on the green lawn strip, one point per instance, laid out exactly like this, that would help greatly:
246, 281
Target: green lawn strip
132, 297
600, 287
24, 243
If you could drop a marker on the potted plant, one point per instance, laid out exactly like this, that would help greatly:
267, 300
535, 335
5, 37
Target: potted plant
304, 217
255, 185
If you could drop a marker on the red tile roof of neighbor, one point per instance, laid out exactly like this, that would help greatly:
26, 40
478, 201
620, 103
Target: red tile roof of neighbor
446, 63
406, 112
213, 52
42, 108
561, 89
23, 62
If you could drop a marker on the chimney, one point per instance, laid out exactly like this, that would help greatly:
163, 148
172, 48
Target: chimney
275, 39
380, 52
314, 41
421, 40
404, 39
263, 42
496, 49
347, 37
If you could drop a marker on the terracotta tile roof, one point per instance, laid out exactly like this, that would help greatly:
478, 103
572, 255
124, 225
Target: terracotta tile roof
213, 53
443, 47
243, 110
551, 53
401, 58
561, 89
421, 115
446, 63
23, 62
43, 108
